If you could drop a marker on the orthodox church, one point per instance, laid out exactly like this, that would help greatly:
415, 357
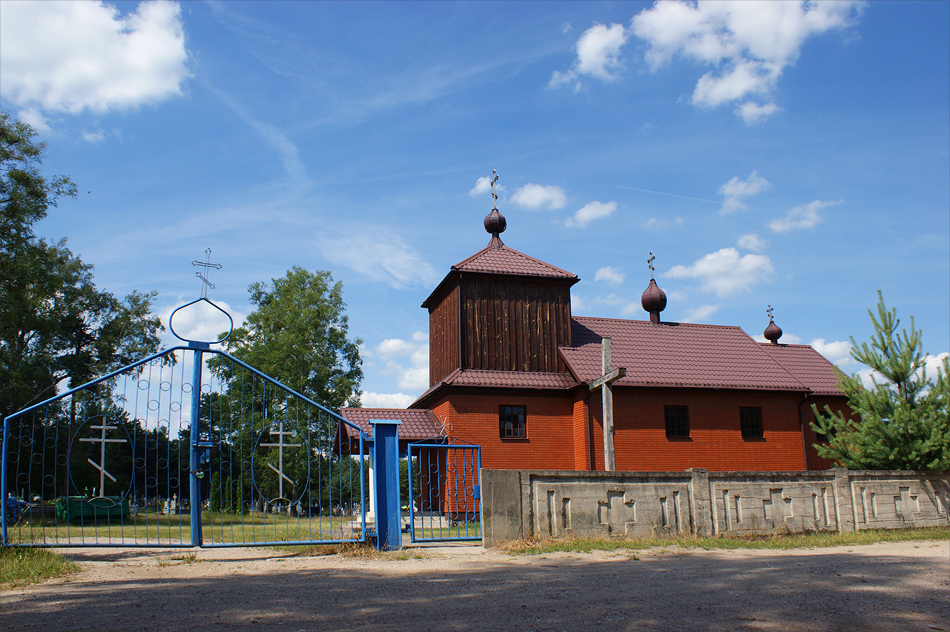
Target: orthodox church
512, 370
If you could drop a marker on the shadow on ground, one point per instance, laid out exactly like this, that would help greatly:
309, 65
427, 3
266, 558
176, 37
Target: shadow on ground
694, 590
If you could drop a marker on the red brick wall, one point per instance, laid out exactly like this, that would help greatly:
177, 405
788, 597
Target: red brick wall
715, 439
836, 404
581, 433
550, 441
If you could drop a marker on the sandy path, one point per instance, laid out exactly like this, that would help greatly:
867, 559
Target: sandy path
883, 587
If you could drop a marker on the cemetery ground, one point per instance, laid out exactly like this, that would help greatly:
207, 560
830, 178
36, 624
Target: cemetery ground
886, 586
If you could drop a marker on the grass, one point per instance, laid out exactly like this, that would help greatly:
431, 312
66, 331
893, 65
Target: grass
162, 529
20, 567
810, 540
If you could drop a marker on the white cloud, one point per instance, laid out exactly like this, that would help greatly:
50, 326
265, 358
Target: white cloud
748, 43
803, 216
752, 112
482, 185
378, 254
751, 241
386, 400
200, 322
590, 212
34, 118
539, 197
613, 276
725, 272
73, 56
598, 55
701, 313
408, 360
837, 351
662, 224
736, 191
934, 363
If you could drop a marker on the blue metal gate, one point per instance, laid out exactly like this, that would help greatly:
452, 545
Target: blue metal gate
188, 447
444, 491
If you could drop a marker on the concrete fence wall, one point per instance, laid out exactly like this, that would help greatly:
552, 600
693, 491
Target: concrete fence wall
551, 504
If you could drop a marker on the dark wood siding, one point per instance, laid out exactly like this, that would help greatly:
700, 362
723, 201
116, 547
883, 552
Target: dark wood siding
510, 324
444, 336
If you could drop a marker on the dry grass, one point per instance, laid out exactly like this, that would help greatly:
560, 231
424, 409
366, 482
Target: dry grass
810, 540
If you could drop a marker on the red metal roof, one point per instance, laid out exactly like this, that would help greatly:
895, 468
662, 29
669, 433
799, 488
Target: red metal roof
508, 261
810, 367
512, 379
675, 355
415, 424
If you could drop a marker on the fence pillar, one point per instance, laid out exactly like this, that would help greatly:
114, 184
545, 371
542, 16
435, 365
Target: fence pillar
194, 490
386, 484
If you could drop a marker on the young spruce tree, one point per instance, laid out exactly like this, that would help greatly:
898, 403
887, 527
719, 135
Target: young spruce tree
903, 422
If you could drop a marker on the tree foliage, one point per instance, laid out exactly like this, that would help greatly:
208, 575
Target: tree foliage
298, 335
55, 325
903, 423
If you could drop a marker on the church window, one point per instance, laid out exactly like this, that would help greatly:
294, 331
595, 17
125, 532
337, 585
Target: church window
750, 420
512, 422
677, 422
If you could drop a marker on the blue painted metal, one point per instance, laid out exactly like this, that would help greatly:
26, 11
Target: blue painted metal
444, 491
386, 473
143, 415
195, 451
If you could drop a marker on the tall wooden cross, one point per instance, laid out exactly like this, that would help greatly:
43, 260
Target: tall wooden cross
604, 382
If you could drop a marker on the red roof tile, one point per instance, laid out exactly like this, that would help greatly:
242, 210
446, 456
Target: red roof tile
506, 260
416, 424
675, 355
810, 367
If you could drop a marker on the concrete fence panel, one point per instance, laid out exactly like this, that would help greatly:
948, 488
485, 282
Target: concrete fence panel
558, 504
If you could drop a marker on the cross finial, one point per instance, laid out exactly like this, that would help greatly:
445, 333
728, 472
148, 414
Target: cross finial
494, 196
769, 312
650, 264
207, 265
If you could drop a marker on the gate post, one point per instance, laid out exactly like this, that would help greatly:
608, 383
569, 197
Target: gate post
386, 488
195, 462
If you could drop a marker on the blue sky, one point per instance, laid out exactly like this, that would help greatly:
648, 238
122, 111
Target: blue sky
765, 152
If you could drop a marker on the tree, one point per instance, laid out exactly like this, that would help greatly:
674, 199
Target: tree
903, 422
298, 335
55, 325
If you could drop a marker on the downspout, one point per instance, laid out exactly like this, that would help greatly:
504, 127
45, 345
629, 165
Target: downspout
801, 428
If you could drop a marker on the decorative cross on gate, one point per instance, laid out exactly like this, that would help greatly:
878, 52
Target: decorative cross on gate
207, 265
101, 465
280, 445
604, 383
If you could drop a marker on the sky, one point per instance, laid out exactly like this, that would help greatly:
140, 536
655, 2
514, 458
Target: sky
767, 153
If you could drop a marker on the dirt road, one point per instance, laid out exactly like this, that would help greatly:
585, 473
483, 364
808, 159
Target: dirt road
902, 587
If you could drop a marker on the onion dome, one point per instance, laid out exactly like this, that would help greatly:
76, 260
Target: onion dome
495, 224
653, 301
773, 332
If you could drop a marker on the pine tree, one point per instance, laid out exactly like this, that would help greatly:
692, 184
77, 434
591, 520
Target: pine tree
903, 422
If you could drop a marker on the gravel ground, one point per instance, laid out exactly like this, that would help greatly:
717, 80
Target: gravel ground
899, 587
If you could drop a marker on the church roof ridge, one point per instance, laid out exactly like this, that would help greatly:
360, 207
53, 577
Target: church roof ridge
507, 260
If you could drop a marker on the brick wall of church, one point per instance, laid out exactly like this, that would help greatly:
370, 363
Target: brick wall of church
715, 439
835, 403
550, 440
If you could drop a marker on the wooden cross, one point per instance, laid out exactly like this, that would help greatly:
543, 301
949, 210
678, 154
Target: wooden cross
604, 383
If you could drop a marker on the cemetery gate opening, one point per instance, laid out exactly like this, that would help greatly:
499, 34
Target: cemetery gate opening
188, 447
